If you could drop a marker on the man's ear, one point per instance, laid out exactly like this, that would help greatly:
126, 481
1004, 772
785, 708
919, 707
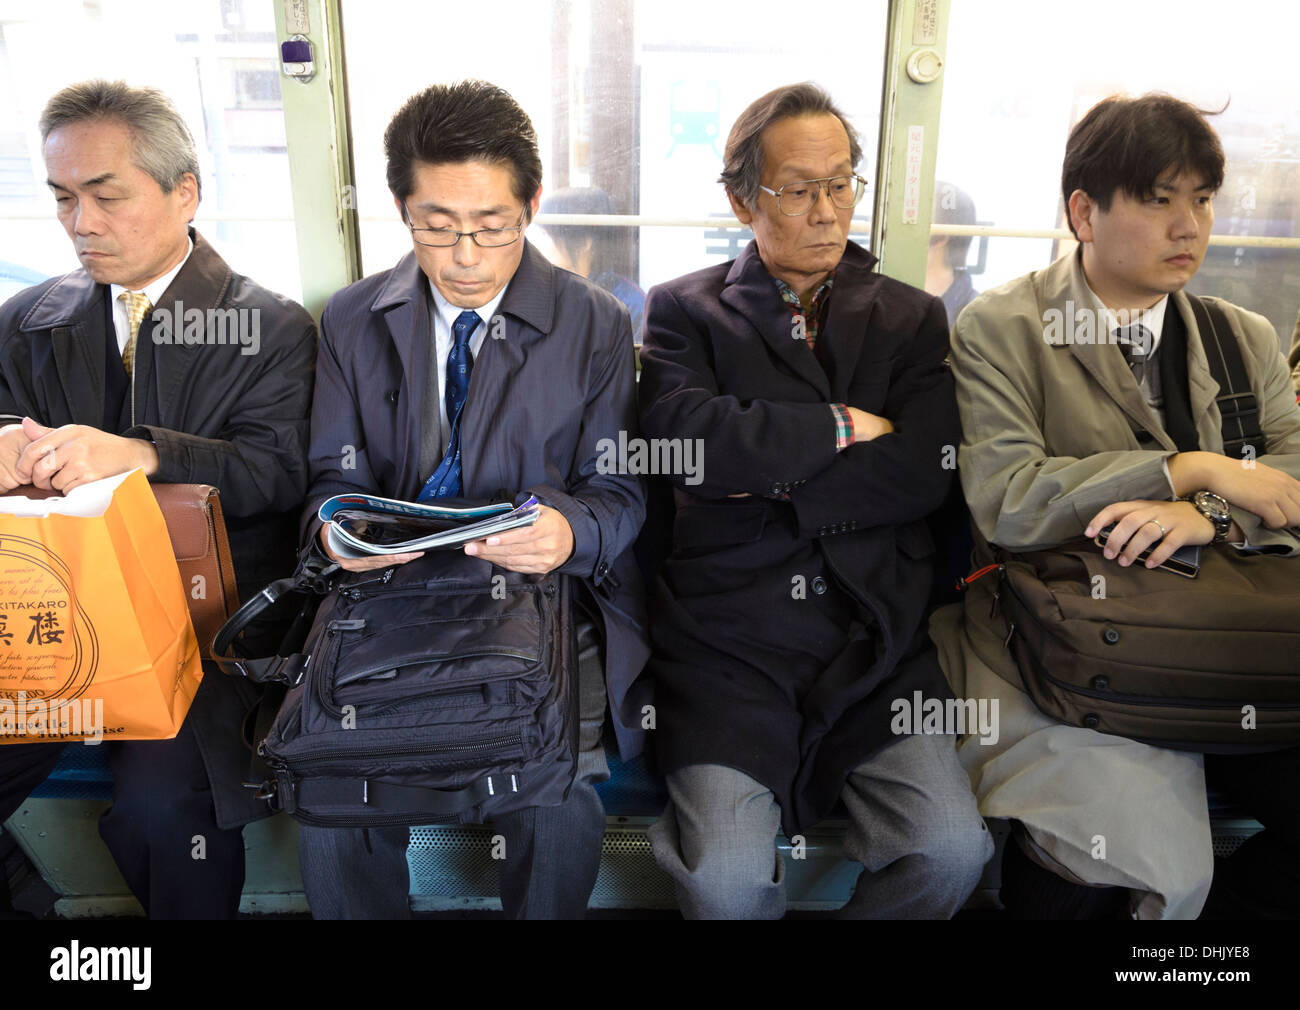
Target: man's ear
1083, 210
401, 207
743, 213
188, 191
533, 204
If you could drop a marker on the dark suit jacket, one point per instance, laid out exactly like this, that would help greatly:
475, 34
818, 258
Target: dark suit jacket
217, 416
719, 363
560, 380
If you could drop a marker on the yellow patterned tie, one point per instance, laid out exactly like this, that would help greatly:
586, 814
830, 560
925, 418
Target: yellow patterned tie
137, 304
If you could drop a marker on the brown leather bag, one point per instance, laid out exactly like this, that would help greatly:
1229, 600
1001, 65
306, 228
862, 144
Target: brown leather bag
198, 533
1206, 664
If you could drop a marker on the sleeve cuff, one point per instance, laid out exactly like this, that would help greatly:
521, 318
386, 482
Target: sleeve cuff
844, 436
582, 523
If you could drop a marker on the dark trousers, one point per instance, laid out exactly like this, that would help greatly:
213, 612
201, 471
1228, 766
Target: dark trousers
161, 829
23, 767
163, 834
1261, 879
552, 854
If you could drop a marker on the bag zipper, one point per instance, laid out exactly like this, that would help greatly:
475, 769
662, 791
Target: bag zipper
320, 755
355, 593
1121, 697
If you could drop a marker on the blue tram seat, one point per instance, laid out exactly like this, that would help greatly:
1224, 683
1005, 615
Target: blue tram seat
81, 774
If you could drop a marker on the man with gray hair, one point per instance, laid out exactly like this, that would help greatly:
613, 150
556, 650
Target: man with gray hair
789, 636
116, 366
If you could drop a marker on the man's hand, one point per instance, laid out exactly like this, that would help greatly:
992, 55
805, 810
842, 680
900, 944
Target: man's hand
1136, 529
60, 459
13, 440
1270, 493
368, 564
867, 426
533, 550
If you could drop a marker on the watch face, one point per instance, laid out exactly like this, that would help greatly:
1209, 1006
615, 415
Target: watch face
1214, 507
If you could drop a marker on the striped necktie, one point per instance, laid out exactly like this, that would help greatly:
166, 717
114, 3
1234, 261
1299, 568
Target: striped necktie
137, 304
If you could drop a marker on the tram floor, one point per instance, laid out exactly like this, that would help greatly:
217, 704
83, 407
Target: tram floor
59, 868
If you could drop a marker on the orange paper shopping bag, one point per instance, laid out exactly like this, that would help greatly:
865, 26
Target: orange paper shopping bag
95, 634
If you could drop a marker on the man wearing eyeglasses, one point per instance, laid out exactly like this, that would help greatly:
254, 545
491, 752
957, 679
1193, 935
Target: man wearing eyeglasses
788, 630
472, 366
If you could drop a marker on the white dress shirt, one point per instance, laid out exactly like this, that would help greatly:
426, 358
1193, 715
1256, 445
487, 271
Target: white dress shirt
444, 315
152, 291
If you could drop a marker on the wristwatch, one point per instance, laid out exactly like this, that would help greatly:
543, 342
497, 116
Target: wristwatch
1217, 510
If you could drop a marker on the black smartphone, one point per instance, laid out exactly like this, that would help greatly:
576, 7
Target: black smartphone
1186, 561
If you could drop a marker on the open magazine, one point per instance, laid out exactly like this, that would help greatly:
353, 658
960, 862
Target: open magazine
361, 525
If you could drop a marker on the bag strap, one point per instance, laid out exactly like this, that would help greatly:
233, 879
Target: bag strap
313, 575
1238, 407
399, 799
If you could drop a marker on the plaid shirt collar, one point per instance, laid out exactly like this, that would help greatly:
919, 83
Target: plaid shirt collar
811, 318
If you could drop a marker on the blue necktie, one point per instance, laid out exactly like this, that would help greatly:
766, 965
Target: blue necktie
445, 482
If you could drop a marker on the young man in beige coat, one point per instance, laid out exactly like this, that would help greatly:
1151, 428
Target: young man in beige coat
1062, 438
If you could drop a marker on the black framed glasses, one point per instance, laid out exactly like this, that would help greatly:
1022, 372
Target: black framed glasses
795, 199
485, 238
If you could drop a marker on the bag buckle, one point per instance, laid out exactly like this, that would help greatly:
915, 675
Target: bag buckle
266, 789
315, 570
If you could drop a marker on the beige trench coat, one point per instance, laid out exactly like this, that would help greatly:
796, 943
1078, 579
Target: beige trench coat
1295, 356
1048, 442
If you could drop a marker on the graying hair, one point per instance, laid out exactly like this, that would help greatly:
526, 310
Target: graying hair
743, 159
163, 145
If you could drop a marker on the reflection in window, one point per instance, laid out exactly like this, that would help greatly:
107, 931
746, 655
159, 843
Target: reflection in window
216, 60
1014, 85
633, 99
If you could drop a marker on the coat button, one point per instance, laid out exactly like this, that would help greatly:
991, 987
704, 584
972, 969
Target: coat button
1110, 636
391, 396
821, 531
1100, 683
819, 585
602, 570
1091, 720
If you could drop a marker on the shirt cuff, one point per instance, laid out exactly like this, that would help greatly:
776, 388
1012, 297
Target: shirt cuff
843, 426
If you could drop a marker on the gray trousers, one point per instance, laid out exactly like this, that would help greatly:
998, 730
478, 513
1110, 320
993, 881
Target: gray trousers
552, 854
914, 827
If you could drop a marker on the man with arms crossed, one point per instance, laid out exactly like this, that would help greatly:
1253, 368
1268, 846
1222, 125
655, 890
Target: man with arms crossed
789, 618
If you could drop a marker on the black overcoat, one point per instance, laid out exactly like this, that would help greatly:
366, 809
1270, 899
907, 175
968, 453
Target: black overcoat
784, 629
216, 415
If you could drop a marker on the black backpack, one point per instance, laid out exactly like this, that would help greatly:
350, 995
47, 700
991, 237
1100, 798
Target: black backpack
438, 691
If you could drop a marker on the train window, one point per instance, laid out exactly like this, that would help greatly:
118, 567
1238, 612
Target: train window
632, 102
216, 59
1016, 84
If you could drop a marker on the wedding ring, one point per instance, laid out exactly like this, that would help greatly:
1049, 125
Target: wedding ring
1163, 531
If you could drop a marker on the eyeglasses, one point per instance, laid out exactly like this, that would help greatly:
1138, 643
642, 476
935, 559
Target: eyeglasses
484, 238
796, 199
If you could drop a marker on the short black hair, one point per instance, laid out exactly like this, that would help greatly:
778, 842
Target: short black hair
571, 237
1129, 144
953, 205
466, 121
